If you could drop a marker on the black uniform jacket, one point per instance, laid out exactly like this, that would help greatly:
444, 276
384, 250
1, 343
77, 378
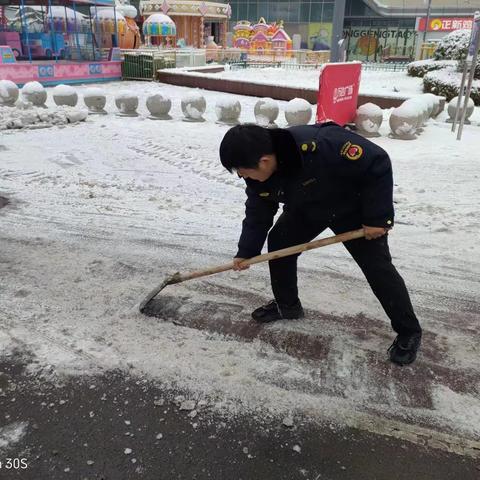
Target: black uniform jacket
325, 174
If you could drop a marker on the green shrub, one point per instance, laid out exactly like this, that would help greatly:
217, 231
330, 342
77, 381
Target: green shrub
421, 67
446, 83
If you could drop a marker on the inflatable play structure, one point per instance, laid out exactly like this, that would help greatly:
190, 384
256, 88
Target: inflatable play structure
131, 38
261, 36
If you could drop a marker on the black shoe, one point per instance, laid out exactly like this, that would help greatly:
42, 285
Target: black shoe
272, 311
403, 350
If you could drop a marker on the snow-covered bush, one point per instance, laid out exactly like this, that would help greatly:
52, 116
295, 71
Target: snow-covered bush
453, 46
422, 67
446, 83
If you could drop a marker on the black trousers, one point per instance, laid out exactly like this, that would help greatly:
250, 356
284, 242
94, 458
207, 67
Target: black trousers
372, 256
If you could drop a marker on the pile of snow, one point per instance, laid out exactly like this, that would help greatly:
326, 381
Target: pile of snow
25, 115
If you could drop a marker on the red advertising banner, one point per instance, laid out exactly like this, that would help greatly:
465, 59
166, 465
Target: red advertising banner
338, 93
445, 24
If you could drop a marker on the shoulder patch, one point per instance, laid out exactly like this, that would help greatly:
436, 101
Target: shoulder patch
265, 194
308, 146
351, 151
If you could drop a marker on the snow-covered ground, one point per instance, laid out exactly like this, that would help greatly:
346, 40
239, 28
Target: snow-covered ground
101, 211
388, 84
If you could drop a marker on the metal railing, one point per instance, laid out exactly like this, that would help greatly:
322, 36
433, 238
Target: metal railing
385, 67
143, 64
236, 55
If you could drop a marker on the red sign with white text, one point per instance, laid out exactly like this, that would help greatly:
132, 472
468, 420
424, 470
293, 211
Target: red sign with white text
338, 93
445, 24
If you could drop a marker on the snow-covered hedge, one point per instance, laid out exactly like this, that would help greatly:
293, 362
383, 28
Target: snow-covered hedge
446, 83
421, 67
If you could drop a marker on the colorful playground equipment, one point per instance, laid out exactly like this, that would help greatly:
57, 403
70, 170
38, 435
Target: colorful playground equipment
261, 36
160, 30
109, 26
54, 44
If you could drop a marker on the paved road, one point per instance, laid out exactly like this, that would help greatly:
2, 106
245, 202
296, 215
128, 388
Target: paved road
81, 430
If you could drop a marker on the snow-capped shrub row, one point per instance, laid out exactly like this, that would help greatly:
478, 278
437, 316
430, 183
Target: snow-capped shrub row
442, 74
446, 83
421, 67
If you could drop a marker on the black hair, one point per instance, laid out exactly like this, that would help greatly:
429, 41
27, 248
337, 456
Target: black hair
244, 145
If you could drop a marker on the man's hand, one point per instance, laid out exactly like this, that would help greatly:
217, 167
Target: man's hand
371, 233
237, 264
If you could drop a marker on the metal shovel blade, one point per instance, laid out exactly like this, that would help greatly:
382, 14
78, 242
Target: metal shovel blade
171, 279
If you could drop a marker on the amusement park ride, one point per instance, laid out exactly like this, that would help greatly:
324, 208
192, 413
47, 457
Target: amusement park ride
65, 41
78, 41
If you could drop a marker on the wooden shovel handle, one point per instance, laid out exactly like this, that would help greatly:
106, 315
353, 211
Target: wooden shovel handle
284, 252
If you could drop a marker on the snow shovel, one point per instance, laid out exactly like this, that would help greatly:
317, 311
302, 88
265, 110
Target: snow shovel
284, 252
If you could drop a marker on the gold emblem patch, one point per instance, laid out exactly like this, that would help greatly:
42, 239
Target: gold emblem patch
351, 151
265, 194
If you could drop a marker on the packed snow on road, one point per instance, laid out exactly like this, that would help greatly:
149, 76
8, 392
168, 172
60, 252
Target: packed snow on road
100, 211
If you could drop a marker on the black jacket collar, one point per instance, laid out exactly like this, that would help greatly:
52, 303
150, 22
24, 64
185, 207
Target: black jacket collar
289, 158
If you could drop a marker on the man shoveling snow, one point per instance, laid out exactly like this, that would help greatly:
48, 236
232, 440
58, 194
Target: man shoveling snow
326, 177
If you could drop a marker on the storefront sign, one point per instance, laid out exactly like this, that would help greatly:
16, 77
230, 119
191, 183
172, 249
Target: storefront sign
338, 93
444, 24
370, 44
